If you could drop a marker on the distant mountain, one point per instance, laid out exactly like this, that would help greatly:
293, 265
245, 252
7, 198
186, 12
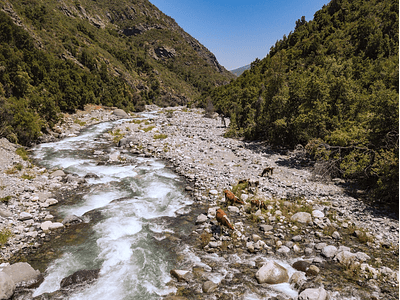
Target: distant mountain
240, 70
57, 56
332, 86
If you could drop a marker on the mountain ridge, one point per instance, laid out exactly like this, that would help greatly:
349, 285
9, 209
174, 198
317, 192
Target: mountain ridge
239, 71
116, 53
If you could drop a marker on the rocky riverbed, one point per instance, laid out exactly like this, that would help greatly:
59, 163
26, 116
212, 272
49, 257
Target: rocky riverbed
294, 236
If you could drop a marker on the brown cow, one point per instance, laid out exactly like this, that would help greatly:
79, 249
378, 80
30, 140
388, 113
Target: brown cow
231, 198
222, 219
258, 203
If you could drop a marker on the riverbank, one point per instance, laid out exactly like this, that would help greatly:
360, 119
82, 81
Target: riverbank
28, 194
352, 248
344, 247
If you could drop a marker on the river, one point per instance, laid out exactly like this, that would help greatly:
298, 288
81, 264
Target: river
130, 194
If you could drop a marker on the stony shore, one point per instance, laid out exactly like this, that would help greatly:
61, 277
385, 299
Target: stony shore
342, 247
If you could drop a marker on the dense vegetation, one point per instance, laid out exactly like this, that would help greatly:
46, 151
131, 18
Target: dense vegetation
332, 85
64, 55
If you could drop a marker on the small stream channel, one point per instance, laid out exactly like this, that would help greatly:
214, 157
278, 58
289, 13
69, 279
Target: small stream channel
123, 206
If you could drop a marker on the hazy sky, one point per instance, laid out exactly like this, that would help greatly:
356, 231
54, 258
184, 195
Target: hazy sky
238, 32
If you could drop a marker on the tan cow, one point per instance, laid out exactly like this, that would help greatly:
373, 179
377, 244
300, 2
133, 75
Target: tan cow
222, 219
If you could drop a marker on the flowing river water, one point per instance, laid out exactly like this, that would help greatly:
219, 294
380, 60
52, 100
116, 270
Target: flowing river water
138, 226
129, 197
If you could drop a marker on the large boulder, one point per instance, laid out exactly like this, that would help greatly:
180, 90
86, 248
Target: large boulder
58, 173
7, 286
22, 274
329, 251
119, 113
302, 217
81, 276
313, 294
272, 273
48, 225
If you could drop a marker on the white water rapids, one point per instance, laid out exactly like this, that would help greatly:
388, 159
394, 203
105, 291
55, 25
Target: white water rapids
131, 267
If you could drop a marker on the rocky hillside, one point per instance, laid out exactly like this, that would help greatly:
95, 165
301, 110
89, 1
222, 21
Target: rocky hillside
60, 55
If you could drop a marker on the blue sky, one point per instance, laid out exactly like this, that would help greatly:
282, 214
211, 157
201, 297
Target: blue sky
238, 32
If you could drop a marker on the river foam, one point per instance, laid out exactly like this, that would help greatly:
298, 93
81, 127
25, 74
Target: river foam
129, 197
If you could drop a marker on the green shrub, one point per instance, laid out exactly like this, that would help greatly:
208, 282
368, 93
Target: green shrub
147, 129
160, 136
5, 199
5, 234
23, 153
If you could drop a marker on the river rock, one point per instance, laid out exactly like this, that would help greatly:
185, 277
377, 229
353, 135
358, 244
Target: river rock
58, 173
212, 211
25, 216
336, 235
233, 209
201, 219
302, 217
209, 287
81, 276
48, 225
5, 213
71, 220
45, 225
362, 256
51, 201
329, 251
283, 250
272, 273
119, 113
56, 225
7, 286
301, 265
313, 294
22, 274
266, 228
318, 214
297, 279
91, 175
181, 275
213, 192
345, 257
312, 271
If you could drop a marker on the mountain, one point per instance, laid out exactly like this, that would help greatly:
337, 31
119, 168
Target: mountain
57, 56
332, 86
240, 70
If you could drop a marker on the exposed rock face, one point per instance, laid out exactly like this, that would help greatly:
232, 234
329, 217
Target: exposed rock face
272, 273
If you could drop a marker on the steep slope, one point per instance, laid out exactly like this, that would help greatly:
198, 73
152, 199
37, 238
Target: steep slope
60, 55
332, 85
